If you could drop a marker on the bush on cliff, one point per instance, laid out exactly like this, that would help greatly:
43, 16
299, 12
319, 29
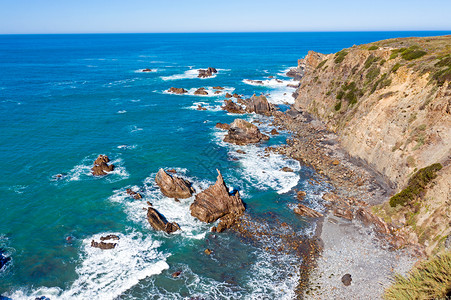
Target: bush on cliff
411, 54
340, 56
416, 185
431, 280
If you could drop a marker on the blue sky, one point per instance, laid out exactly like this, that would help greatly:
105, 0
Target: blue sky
110, 16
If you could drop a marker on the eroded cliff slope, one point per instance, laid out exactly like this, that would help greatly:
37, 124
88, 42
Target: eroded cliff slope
390, 104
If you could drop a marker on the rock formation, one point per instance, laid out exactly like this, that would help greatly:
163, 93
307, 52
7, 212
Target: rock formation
133, 194
201, 91
146, 70
258, 104
178, 91
223, 126
173, 186
101, 166
242, 133
105, 245
307, 211
200, 107
206, 73
216, 202
159, 222
232, 107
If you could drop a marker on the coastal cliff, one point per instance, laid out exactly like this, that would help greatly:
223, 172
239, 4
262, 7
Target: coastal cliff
389, 102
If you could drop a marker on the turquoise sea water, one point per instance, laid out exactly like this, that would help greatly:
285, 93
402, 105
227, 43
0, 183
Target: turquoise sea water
64, 99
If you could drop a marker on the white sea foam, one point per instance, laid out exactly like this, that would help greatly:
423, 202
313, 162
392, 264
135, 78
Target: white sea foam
151, 71
134, 128
208, 106
128, 147
106, 274
121, 111
284, 72
83, 171
209, 89
191, 74
280, 92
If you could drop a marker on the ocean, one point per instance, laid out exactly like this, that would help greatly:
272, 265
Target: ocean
65, 99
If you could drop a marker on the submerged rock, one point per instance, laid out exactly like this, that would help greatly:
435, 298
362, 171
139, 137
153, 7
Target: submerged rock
177, 90
101, 166
135, 195
242, 133
159, 222
147, 70
216, 202
173, 186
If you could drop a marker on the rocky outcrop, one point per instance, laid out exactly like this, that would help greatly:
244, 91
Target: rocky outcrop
206, 73
227, 95
259, 105
105, 245
200, 107
178, 91
218, 88
223, 126
201, 91
242, 133
232, 107
159, 222
307, 211
295, 73
173, 186
101, 166
216, 202
133, 194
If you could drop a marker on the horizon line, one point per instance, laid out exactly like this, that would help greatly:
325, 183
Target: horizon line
226, 32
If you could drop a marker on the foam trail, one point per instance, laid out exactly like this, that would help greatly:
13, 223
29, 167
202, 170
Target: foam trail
190, 74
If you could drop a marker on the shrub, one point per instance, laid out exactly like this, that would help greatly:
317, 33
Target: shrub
340, 56
373, 48
442, 76
395, 52
372, 73
340, 95
410, 54
431, 280
351, 97
337, 106
370, 60
395, 67
382, 62
321, 64
416, 185
444, 62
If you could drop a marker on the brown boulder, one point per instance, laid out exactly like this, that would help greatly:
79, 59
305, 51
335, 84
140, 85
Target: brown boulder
173, 186
200, 107
101, 166
206, 73
159, 222
223, 126
307, 211
217, 92
102, 245
228, 95
370, 219
109, 237
235, 95
216, 202
258, 104
218, 88
135, 195
177, 90
287, 169
201, 91
242, 133
232, 107
274, 132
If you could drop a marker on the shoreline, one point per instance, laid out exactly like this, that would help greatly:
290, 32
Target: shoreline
360, 245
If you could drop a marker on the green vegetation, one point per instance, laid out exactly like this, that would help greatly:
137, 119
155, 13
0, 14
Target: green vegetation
370, 60
321, 64
382, 62
340, 95
340, 56
416, 185
395, 67
410, 54
395, 52
431, 280
351, 92
372, 73
337, 106
381, 83
444, 72
373, 48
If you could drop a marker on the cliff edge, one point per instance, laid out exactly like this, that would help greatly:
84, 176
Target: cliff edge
390, 104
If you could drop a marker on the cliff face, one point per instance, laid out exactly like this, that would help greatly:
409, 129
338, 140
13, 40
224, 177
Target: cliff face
390, 104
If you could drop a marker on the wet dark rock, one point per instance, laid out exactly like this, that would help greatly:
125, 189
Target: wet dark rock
101, 166
218, 88
216, 202
173, 186
242, 132
287, 169
240, 151
346, 279
200, 107
228, 95
223, 126
208, 251
176, 274
206, 73
232, 107
159, 222
274, 132
103, 245
135, 195
109, 237
147, 70
179, 91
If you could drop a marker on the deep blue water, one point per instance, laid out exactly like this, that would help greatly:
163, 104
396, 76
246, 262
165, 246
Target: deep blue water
64, 99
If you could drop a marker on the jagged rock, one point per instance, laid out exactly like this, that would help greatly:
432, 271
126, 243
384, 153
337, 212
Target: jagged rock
301, 195
177, 90
226, 222
346, 279
240, 151
101, 166
206, 73
103, 245
146, 70
370, 219
216, 202
171, 171
200, 107
223, 126
448, 242
343, 211
172, 186
295, 73
258, 104
109, 237
176, 274
159, 222
235, 95
201, 91
242, 133
135, 195
287, 169
228, 95
307, 211
218, 88
232, 107
274, 132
